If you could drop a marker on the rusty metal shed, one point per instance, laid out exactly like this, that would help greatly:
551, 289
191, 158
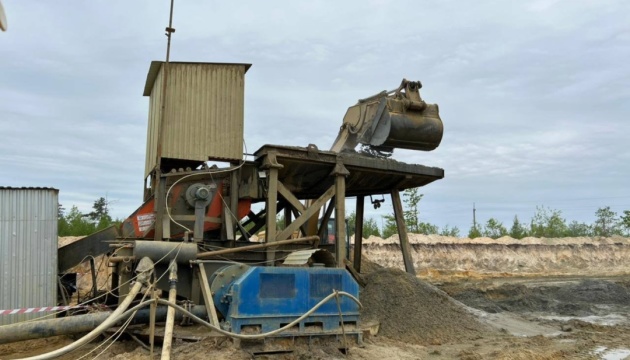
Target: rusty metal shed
28, 250
204, 112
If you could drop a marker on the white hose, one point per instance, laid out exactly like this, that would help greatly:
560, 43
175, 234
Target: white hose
243, 336
110, 321
121, 314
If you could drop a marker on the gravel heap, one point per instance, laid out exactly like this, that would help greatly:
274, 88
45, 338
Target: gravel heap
414, 311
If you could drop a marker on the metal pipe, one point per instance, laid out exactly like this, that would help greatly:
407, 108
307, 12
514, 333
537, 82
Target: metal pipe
170, 315
78, 324
208, 254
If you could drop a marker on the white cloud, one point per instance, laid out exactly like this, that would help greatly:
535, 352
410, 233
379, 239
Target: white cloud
534, 96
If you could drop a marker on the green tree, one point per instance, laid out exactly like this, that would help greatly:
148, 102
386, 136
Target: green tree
575, 229
548, 223
474, 232
605, 222
625, 221
427, 229
77, 224
494, 229
518, 231
369, 226
389, 228
352, 223
280, 222
411, 199
449, 231
62, 224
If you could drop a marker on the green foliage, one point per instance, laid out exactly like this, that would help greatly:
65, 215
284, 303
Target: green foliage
280, 222
74, 223
411, 216
548, 223
518, 231
352, 223
494, 229
427, 229
449, 231
411, 199
369, 226
605, 222
624, 222
389, 228
575, 229
474, 232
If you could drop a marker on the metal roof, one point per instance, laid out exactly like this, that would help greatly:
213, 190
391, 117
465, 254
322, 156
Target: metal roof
156, 65
27, 188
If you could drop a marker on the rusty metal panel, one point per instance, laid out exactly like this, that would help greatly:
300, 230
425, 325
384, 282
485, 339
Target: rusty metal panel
28, 250
204, 112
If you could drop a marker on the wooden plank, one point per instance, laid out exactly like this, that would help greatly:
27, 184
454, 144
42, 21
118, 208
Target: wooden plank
340, 220
308, 213
358, 232
291, 199
402, 233
207, 296
271, 205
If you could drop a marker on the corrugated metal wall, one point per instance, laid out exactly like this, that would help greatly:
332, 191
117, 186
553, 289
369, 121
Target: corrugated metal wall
28, 250
204, 112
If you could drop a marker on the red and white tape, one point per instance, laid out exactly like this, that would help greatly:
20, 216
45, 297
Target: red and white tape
38, 310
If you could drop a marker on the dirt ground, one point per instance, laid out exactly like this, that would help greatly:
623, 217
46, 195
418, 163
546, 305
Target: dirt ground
448, 312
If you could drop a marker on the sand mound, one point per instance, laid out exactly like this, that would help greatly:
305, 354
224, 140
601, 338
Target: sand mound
411, 310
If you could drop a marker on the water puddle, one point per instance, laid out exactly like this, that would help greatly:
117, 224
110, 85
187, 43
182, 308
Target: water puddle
612, 354
605, 320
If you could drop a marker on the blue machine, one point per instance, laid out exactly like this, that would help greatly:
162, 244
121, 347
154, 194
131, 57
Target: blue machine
262, 299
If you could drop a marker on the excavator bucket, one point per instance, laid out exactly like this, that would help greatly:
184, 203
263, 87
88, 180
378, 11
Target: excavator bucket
389, 120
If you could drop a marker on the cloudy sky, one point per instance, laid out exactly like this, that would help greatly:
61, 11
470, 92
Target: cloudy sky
534, 95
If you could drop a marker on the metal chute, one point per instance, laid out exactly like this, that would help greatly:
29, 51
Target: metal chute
389, 120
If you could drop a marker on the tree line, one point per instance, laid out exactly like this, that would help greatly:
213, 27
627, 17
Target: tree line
76, 223
550, 223
546, 222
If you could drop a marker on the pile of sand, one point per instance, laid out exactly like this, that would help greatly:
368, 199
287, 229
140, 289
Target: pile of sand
505, 240
414, 311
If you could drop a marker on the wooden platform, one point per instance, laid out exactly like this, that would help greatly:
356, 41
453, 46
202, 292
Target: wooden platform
307, 172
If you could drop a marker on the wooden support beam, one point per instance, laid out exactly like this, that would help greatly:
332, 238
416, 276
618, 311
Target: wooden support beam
340, 172
312, 239
340, 220
291, 199
402, 233
228, 223
207, 296
272, 166
271, 205
308, 213
358, 232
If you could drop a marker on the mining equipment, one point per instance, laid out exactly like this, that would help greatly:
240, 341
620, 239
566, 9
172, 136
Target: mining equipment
192, 237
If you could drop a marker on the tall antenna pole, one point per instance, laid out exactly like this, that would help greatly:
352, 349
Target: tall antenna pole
474, 217
169, 30
159, 190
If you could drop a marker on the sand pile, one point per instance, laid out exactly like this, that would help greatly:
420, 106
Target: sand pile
414, 311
